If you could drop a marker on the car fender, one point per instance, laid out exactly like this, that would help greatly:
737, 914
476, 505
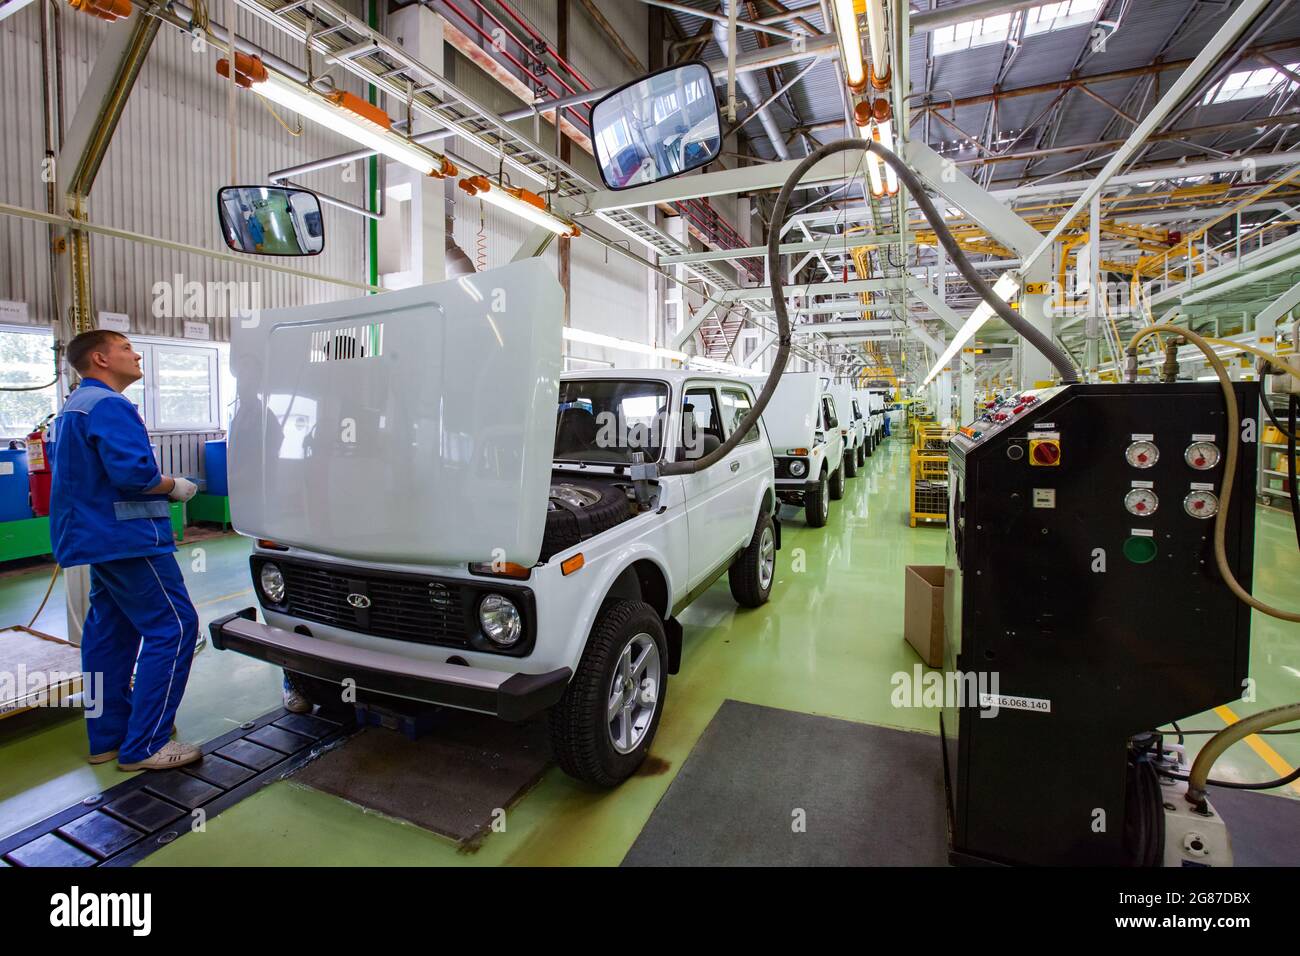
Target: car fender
609, 569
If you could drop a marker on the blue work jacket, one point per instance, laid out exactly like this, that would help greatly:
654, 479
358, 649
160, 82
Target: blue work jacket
102, 465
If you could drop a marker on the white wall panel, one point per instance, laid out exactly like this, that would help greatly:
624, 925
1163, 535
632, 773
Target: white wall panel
161, 173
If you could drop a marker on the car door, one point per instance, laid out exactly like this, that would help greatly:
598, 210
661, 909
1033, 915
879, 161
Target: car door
831, 429
750, 461
707, 491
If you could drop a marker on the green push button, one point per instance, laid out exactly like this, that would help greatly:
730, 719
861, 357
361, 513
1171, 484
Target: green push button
1141, 550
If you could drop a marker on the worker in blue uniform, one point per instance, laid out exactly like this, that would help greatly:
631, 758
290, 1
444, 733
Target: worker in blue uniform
109, 509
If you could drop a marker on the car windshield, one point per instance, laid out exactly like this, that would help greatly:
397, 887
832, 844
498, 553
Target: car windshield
605, 420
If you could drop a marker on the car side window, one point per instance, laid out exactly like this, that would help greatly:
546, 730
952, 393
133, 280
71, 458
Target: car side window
735, 406
857, 412
701, 424
829, 420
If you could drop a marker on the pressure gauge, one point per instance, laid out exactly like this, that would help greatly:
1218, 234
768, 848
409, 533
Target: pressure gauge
1142, 454
1201, 504
1202, 455
1141, 502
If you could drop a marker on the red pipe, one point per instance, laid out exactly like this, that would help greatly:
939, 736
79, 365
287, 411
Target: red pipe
491, 41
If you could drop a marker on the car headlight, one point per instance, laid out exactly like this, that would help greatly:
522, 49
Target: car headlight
272, 580
500, 620
798, 468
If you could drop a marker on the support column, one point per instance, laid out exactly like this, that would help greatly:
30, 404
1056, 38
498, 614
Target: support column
1034, 367
117, 64
564, 148
1092, 330
419, 30
966, 397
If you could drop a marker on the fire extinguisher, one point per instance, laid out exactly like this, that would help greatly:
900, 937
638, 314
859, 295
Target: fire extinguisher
40, 467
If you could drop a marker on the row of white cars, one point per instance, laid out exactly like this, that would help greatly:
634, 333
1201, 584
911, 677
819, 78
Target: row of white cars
822, 432
485, 535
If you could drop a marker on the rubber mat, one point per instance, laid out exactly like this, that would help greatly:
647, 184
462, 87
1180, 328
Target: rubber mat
450, 781
1264, 829
149, 810
766, 787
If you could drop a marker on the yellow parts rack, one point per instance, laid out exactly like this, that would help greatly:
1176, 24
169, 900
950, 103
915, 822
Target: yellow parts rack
929, 473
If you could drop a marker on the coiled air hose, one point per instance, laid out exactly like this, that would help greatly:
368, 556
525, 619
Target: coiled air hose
1199, 776
1043, 343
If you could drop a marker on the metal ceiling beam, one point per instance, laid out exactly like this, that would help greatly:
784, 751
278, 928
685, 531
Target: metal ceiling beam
830, 244
1239, 20
1259, 50
720, 18
1180, 135
1152, 174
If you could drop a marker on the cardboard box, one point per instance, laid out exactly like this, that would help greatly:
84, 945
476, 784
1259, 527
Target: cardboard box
923, 611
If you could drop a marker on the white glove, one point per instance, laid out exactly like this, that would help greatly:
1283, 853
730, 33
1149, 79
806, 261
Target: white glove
183, 490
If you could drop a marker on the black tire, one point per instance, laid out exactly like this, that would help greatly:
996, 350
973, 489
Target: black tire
579, 726
745, 573
863, 453
816, 503
325, 694
871, 446
837, 483
563, 530
851, 463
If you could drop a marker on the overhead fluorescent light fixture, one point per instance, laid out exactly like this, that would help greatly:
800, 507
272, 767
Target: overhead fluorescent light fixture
1006, 287
350, 115
519, 202
627, 345
846, 25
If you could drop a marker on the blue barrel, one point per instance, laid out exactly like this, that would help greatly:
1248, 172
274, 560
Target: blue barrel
214, 465
15, 501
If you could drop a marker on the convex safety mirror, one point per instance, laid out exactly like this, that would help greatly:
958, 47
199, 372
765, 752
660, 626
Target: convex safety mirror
657, 127
271, 220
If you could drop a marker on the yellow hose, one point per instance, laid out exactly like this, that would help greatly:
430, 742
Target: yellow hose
1230, 464
1216, 745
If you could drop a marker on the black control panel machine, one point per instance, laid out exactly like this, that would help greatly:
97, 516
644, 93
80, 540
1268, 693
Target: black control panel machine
1083, 601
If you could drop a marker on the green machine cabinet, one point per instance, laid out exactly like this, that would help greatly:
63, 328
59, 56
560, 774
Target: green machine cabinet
214, 508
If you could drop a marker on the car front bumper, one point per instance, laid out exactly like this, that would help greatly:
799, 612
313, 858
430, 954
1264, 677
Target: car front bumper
510, 696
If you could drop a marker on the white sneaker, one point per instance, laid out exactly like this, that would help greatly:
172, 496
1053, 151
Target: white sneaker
295, 703
173, 754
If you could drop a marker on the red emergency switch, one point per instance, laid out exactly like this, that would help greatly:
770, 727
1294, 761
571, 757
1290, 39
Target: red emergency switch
1044, 452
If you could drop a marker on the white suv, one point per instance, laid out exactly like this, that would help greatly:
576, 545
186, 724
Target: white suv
442, 518
803, 423
853, 427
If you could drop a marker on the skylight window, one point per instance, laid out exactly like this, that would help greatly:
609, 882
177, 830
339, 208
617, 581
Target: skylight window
1250, 84
1059, 16
997, 29
972, 33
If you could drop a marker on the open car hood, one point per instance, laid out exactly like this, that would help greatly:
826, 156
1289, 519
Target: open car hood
414, 426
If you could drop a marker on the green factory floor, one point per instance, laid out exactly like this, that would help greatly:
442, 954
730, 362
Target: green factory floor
828, 643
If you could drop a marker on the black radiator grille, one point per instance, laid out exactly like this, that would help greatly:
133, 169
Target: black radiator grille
407, 609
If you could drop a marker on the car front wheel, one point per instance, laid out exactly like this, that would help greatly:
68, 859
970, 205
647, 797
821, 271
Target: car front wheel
602, 728
816, 503
752, 573
837, 483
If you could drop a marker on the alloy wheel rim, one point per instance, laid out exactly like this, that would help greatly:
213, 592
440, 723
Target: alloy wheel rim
633, 693
766, 559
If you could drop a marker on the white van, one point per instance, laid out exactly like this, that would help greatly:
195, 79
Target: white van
803, 423
853, 427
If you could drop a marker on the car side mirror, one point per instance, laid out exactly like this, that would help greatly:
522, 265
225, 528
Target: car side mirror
271, 220
657, 127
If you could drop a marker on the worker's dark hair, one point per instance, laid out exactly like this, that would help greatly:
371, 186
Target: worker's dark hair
83, 344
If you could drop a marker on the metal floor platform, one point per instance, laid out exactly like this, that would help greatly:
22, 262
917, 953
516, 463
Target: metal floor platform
152, 809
